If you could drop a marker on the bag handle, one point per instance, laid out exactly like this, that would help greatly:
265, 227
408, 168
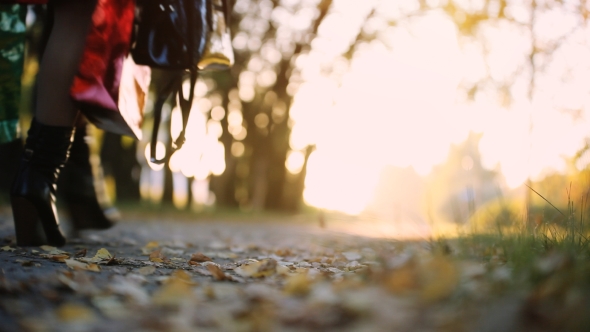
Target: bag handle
185, 108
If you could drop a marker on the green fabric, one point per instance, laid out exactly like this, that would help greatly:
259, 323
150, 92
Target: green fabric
12, 49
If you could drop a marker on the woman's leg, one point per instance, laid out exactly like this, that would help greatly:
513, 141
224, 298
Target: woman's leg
50, 135
61, 60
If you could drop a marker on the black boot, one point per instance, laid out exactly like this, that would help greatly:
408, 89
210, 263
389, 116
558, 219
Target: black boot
34, 187
89, 208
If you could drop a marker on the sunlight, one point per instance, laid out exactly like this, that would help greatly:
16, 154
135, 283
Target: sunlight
379, 115
342, 185
397, 102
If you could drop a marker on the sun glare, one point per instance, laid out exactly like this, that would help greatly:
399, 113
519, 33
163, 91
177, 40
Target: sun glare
398, 103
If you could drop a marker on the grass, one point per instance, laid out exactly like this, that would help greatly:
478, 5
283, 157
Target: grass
537, 253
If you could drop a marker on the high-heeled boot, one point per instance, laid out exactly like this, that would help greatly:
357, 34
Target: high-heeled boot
34, 187
82, 188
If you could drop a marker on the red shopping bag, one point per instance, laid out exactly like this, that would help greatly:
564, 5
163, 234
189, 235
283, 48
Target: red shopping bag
97, 84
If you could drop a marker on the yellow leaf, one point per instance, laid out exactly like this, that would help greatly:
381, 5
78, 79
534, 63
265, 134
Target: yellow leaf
183, 276
440, 278
298, 285
93, 268
173, 293
53, 250
7, 248
147, 270
258, 269
58, 258
71, 312
156, 256
75, 265
402, 280
152, 245
217, 273
103, 254
148, 248
48, 248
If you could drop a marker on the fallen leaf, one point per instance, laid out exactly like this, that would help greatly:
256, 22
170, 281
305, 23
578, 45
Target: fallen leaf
79, 282
173, 292
53, 250
148, 248
110, 306
439, 278
103, 254
147, 270
71, 312
81, 253
199, 258
258, 269
156, 256
7, 248
27, 263
58, 258
298, 285
402, 280
75, 265
217, 273
93, 268
130, 288
182, 276
171, 252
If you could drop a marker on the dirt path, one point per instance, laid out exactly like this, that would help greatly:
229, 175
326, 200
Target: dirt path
246, 276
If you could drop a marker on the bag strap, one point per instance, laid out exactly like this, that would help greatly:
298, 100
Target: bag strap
184, 103
185, 108
226, 11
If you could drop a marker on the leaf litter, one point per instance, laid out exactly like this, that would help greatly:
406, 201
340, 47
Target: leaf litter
320, 283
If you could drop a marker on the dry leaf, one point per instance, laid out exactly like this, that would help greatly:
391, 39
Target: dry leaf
93, 268
156, 256
148, 248
75, 265
110, 306
81, 253
173, 292
171, 252
58, 258
7, 248
182, 276
71, 312
53, 250
199, 258
27, 263
258, 269
217, 273
147, 270
103, 254
439, 277
298, 285
402, 280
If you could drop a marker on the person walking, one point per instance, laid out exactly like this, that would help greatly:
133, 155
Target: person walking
52, 130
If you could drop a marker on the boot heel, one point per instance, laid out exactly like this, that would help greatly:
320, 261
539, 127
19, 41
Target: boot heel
34, 187
29, 231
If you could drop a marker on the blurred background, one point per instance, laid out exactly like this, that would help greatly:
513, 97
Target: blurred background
415, 115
